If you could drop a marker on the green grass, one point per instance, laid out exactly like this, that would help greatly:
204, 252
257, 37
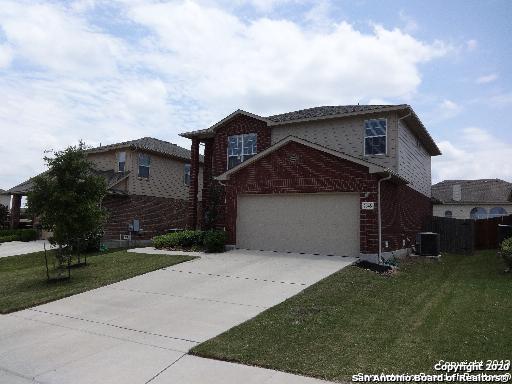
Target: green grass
459, 308
23, 281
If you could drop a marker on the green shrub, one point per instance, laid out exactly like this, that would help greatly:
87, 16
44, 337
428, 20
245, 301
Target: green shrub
28, 234
214, 241
506, 251
5, 239
18, 235
179, 240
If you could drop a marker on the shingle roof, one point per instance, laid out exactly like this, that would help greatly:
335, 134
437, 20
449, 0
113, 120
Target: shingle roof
111, 178
148, 144
474, 191
328, 111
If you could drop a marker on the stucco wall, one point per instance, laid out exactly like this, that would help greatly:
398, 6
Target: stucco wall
462, 211
344, 135
413, 161
166, 175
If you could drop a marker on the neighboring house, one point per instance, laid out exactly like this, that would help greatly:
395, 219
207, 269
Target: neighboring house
308, 181
148, 180
472, 199
5, 198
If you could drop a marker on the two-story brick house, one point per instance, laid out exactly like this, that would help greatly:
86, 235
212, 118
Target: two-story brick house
311, 180
148, 181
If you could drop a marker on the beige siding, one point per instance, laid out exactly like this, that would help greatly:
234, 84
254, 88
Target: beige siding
165, 174
165, 178
344, 135
462, 211
104, 161
413, 161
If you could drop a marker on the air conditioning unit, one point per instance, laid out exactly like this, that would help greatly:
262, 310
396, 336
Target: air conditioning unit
428, 244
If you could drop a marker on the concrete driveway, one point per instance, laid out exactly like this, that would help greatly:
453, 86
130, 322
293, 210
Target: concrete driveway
13, 248
140, 330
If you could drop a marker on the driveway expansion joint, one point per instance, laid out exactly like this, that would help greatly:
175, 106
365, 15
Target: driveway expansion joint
189, 297
113, 325
234, 277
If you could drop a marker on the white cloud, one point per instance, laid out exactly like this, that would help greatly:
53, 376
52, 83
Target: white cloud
272, 65
487, 78
471, 45
5, 55
448, 109
475, 155
185, 66
410, 24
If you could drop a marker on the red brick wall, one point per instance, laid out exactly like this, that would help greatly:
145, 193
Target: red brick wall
238, 125
404, 212
219, 145
311, 171
156, 214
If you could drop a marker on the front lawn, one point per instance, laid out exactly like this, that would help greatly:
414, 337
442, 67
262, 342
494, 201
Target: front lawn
357, 321
23, 278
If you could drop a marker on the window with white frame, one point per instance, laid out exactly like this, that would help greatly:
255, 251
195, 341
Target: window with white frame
144, 163
375, 137
241, 148
121, 161
186, 175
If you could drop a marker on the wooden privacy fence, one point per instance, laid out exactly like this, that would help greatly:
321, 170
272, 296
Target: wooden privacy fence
456, 235
466, 235
486, 231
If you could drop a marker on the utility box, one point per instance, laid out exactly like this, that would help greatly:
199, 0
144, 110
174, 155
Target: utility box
428, 244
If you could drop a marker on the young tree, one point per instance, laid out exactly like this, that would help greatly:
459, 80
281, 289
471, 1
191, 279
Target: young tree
67, 198
4, 212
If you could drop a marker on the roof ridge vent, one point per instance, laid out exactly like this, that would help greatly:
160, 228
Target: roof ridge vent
457, 192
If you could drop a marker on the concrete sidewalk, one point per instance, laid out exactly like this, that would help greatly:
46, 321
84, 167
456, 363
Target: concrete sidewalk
140, 330
13, 248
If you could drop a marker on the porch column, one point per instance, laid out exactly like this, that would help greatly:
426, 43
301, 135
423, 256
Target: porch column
207, 176
15, 211
194, 183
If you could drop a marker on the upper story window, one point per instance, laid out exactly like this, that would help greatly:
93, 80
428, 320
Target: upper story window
241, 148
144, 163
375, 137
121, 161
186, 174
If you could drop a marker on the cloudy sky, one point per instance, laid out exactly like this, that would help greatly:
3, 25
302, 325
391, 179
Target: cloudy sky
107, 71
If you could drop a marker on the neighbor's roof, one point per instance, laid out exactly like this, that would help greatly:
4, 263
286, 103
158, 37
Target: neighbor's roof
112, 178
474, 191
329, 112
149, 144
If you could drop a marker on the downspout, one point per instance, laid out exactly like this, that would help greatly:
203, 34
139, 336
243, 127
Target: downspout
379, 215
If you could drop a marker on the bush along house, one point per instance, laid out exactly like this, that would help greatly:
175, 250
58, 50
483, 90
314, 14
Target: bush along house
148, 187
341, 180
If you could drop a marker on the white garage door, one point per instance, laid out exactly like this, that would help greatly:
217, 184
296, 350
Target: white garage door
326, 223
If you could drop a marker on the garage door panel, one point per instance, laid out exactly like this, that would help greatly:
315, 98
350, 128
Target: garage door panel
314, 223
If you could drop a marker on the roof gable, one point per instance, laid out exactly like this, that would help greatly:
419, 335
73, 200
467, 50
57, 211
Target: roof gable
210, 132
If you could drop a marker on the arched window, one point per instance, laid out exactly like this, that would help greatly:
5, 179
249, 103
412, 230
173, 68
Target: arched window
497, 212
478, 213
447, 213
